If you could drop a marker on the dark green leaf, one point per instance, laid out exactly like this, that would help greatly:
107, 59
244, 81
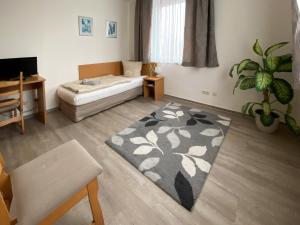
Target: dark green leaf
257, 49
286, 58
266, 108
245, 108
247, 83
289, 109
275, 47
286, 67
241, 77
292, 125
233, 70
251, 111
272, 63
283, 91
266, 120
263, 80
247, 64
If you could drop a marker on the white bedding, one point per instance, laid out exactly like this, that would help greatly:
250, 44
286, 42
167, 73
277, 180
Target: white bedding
84, 98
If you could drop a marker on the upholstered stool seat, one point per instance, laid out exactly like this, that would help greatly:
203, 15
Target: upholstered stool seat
48, 181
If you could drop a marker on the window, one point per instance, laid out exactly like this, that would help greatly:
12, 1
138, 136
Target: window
167, 31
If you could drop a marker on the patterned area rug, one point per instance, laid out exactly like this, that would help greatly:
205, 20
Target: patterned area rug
175, 147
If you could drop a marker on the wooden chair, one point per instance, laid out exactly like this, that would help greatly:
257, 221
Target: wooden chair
42, 190
14, 106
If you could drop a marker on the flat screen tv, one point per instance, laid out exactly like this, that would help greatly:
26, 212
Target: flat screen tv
10, 68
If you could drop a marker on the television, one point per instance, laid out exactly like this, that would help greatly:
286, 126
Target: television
10, 68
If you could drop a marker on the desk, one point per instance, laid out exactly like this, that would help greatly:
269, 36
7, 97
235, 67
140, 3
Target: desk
35, 83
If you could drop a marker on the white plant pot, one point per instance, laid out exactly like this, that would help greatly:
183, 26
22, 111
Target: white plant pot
267, 129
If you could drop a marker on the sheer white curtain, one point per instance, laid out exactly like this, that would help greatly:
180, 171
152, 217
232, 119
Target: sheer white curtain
167, 31
296, 29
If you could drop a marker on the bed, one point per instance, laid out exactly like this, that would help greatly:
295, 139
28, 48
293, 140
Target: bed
78, 106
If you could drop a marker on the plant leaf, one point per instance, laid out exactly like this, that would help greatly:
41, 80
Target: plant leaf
233, 70
224, 122
163, 129
242, 65
274, 47
283, 91
217, 141
286, 67
148, 164
153, 176
210, 132
247, 83
197, 150
263, 80
173, 139
143, 150
286, 58
189, 166
152, 137
245, 108
289, 109
203, 165
272, 63
292, 125
251, 111
185, 133
257, 49
127, 131
139, 140
117, 140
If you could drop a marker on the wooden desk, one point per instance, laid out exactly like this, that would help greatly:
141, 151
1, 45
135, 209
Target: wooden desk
38, 84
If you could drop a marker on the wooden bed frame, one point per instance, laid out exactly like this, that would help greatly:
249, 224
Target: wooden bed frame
102, 69
77, 113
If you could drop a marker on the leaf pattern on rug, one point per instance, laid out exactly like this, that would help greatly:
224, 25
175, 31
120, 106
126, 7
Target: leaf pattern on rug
174, 147
184, 191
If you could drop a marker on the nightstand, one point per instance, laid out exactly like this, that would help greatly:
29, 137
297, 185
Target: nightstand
154, 86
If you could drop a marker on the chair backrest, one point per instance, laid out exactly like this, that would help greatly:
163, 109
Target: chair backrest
5, 195
10, 88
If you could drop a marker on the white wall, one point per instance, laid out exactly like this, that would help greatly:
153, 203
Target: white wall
238, 24
49, 30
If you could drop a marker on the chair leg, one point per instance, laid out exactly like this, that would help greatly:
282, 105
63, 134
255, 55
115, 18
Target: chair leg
92, 188
22, 125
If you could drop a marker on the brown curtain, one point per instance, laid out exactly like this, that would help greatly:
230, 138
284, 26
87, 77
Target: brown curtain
199, 34
142, 27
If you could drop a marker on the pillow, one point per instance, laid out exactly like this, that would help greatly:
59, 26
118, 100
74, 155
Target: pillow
132, 68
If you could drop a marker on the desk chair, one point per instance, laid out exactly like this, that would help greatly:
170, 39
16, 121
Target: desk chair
41, 191
14, 106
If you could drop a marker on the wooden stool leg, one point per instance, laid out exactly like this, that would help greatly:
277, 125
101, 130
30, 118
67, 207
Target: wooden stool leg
94, 203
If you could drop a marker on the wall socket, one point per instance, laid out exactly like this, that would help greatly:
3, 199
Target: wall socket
205, 92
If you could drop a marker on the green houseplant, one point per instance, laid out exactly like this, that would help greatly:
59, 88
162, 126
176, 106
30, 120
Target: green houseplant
251, 74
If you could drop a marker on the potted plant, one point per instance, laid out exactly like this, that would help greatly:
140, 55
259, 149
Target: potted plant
251, 74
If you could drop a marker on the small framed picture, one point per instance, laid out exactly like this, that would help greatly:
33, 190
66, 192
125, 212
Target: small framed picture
85, 26
111, 29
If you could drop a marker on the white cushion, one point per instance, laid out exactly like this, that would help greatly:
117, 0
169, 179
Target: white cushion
132, 68
46, 182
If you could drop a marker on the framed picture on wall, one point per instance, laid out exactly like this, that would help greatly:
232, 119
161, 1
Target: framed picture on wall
85, 26
111, 29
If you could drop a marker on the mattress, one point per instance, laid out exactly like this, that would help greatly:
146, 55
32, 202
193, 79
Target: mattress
85, 98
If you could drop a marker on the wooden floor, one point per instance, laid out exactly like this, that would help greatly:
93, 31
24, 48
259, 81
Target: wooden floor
254, 180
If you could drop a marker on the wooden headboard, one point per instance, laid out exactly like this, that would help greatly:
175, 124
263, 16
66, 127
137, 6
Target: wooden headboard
102, 69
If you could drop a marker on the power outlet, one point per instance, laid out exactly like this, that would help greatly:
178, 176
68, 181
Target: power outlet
205, 92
